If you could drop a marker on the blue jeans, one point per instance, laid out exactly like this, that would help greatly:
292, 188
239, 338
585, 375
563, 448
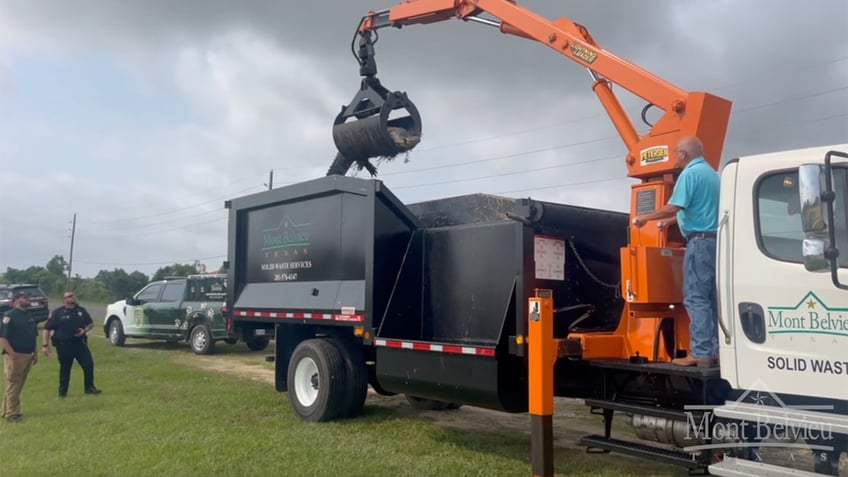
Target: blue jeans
699, 296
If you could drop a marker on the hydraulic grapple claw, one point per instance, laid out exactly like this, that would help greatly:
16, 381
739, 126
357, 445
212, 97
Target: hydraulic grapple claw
376, 123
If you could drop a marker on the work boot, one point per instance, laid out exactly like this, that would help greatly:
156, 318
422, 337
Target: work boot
687, 361
93, 390
711, 362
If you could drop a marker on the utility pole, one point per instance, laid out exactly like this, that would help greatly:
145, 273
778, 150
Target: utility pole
71, 259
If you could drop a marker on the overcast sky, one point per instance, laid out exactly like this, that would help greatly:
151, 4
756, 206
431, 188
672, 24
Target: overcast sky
143, 117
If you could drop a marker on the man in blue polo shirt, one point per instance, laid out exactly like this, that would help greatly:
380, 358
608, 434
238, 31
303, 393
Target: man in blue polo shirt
694, 202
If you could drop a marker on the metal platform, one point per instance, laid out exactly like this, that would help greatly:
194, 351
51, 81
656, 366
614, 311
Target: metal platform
657, 368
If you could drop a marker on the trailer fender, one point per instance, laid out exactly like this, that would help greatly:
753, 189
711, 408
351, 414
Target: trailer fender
287, 337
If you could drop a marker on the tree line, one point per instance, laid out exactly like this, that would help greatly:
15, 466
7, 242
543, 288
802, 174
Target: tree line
106, 286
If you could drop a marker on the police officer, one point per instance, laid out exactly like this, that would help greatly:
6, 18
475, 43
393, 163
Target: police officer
70, 325
18, 335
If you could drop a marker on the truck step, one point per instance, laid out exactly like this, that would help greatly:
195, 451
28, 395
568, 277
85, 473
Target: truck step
644, 410
657, 454
787, 416
734, 467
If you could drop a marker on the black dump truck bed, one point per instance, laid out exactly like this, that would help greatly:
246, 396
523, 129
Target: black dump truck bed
448, 274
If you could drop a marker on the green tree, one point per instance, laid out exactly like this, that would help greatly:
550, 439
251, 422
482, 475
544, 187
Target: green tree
57, 266
91, 290
120, 283
35, 275
175, 270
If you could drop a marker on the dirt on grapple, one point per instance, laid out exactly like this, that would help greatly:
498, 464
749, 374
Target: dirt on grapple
403, 141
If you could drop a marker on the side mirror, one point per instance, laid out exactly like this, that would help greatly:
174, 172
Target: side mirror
810, 186
813, 251
132, 301
816, 192
813, 217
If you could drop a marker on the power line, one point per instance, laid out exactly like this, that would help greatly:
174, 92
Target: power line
789, 100
558, 186
498, 136
504, 156
464, 163
157, 214
603, 115
162, 222
502, 192
169, 262
158, 230
504, 174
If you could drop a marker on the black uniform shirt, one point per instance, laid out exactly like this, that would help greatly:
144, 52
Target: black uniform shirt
20, 330
65, 322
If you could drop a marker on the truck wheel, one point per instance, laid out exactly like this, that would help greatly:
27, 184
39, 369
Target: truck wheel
423, 404
116, 333
257, 344
316, 380
356, 377
201, 340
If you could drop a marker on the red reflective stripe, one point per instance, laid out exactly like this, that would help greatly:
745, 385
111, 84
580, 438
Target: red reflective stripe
301, 316
435, 347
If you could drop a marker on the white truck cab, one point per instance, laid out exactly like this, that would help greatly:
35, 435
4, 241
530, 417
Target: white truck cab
783, 318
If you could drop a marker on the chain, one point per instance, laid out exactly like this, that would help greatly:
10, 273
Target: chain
589, 272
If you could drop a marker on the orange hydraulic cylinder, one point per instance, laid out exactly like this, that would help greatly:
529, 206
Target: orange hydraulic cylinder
542, 357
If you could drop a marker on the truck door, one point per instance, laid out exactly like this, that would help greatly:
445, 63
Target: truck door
165, 315
788, 326
136, 323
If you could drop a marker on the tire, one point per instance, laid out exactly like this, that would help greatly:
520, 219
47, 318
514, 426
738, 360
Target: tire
116, 333
356, 377
257, 344
231, 341
200, 340
423, 404
316, 381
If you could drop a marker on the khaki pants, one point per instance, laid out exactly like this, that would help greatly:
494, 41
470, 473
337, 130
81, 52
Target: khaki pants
16, 370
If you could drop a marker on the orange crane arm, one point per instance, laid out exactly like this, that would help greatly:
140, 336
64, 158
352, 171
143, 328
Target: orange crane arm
684, 113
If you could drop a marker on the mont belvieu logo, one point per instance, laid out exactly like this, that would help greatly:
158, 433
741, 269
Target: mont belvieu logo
809, 316
287, 234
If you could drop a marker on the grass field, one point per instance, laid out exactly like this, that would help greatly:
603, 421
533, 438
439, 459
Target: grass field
161, 416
